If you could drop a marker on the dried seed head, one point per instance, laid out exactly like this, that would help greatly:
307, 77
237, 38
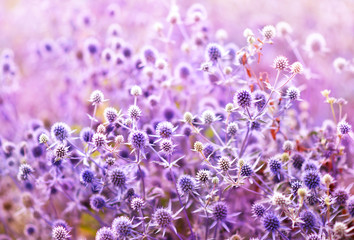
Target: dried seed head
188, 117
198, 146
327, 179
296, 68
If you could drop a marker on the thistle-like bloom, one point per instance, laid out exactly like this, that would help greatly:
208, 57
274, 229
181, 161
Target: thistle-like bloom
269, 32
312, 179
213, 52
281, 63
293, 93
105, 233
165, 129
344, 128
96, 97
221, 214
186, 184
24, 172
123, 227
110, 114
97, 202
60, 233
203, 175
163, 219
243, 98
60, 131
309, 221
138, 139
118, 177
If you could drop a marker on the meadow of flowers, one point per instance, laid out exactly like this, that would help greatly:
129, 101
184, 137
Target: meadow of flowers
176, 120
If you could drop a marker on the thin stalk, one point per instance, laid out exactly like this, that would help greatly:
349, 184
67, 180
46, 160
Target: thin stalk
243, 147
217, 135
270, 95
141, 174
334, 115
216, 231
180, 199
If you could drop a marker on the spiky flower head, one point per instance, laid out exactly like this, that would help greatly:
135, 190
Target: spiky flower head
99, 140
295, 186
288, 146
343, 127
232, 129
134, 112
101, 129
87, 176
279, 199
110, 114
60, 131
246, 170
167, 146
219, 211
312, 179
243, 98
208, 117
122, 226
137, 203
60, 233
198, 146
203, 175
340, 230
274, 165
43, 138
281, 63
163, 217
24, 172
297, 160
224, 163
293, 93
138, 139
105, 233
96, 97
213, 52
258, 210
268, 32
164, 129
271, 222
311, 199
136, 91
309, 221
117, 177
296, 68
188, 117
61, 151
86, 134
259, 99
97, 202
186, 184
341, 196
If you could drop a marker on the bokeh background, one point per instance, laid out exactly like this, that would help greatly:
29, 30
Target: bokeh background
40, 90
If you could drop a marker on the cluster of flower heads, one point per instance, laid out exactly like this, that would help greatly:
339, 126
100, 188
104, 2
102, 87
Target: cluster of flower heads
201, 148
